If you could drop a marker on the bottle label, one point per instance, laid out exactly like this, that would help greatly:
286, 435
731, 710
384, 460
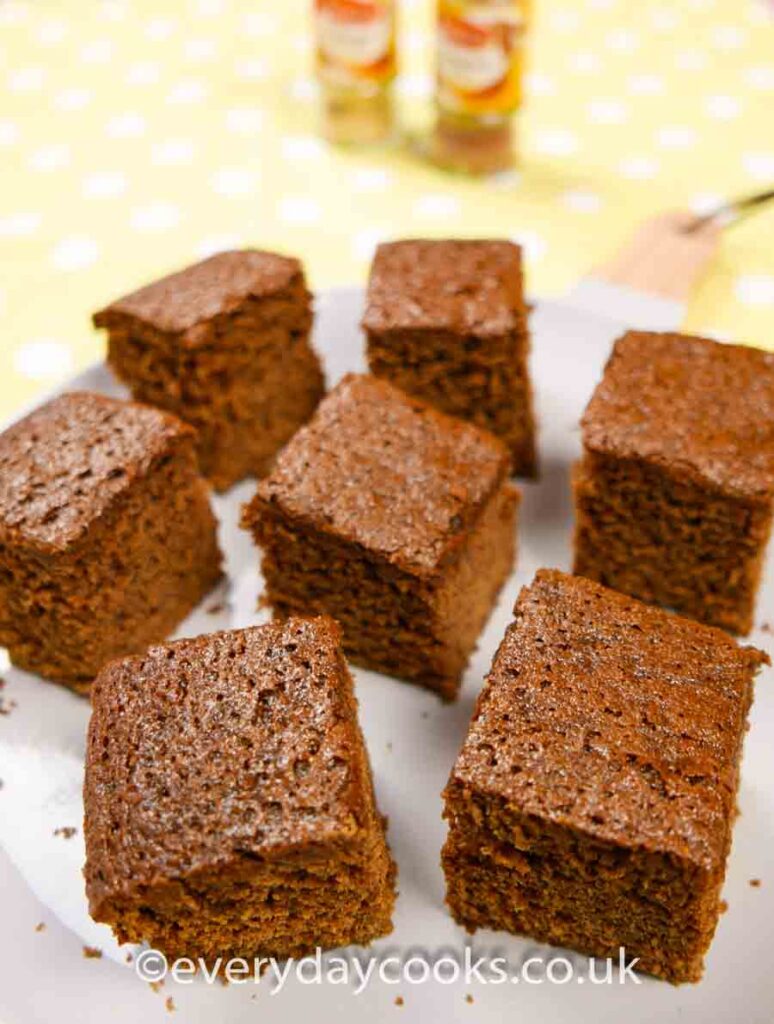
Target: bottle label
481, 55
355, 41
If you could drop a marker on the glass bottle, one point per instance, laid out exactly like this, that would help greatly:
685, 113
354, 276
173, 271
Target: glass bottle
480, 69
356, 59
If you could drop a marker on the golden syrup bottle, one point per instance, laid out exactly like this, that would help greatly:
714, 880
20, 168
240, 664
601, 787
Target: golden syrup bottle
479, 78
356, 60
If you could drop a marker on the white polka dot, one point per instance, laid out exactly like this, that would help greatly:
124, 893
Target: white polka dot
104, 184
199, 50
729, 37
585, 63
755, 289
416, 86
582, 201
50, 158
702, 203
639, 168
158, 216
260, 23
159, 29
437, 206
299, 210
678, 136
172, 152
646, 85
607, 111
253, 70
113, 10
129, 125
9, 133
691, 60
18, 225
3, 300
759, 165
26, 79
51, 32
664, 20
210, 8
601, 5
305, 90
371, 179
144, 72
540, 85
723, 108
73, 99
533, 244
303, 44
217, 243
12, 13
302, 147
100, 51
245, 120
622, 40
564, 20
556, 142
74, 253
233, 182
365, 241
43, 359
761, 77
189, 91
415, 41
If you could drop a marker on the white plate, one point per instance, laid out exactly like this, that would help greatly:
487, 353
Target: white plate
413, 740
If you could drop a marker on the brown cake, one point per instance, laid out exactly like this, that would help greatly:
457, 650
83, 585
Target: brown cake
396, 520
675, 493
107, 540
223, 344
229, 808
593, 800
446, 321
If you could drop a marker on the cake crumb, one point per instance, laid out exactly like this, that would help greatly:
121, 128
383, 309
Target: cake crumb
130, 958
399, 1000
723, 907
170, 1004
217, 608
6, 706
65, 831
468, 998
389, 746
156, 986
766, 627
40, 926
755, 883
92, 953
425, 714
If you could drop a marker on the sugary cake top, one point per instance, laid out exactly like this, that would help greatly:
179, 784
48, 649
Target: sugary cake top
696, 407
386, 472
63, 466
219, 284
613, 718
241, 742
468, 287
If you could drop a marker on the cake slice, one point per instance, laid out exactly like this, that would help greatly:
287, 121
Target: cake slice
224, 344
593, 801
107, 539
396, 520
229, 807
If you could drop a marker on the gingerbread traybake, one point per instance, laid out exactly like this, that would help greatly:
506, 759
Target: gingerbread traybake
107, 540
396, 520
675, 492
229, 807
447, 322
593, 801
224, 344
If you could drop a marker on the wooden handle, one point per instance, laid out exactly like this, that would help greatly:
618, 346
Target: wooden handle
666, 256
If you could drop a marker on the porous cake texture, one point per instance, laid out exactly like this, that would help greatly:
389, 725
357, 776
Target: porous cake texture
447, 322
674, 495
224, 344
593, 800
396, 520
107, 540
229, 807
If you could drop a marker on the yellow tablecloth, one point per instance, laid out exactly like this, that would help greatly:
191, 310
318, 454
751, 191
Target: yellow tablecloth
136, 136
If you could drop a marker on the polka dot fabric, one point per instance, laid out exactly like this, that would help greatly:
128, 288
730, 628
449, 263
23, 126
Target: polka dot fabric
134, 140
